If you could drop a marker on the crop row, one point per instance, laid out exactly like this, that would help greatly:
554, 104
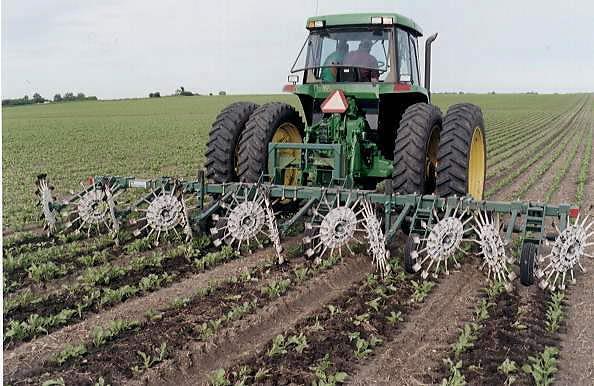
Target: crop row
325, 347
521, 165
550, 134
197, 318
509, 341
104, 287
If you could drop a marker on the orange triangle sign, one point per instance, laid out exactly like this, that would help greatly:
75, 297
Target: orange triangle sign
335, 103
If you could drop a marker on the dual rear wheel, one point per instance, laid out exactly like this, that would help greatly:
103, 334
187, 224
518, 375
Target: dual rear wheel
440, 156
237, 148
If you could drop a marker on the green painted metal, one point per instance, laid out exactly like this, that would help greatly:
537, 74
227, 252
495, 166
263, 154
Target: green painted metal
365, 19
334, 149
415, 207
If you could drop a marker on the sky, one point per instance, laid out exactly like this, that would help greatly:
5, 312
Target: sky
128, 48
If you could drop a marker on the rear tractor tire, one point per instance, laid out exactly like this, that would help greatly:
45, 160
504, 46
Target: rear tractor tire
415, 152
416, 149
462, 163
223, 142
272, 122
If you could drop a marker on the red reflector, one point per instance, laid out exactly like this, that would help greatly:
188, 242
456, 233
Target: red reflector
402, 87
289, 88
90, 180
335, 103
573, 212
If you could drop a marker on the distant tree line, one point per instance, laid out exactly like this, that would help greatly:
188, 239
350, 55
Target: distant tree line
68, 97
24, 100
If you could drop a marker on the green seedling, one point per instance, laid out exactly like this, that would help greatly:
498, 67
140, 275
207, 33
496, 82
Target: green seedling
421, 290
543, 367
278, 348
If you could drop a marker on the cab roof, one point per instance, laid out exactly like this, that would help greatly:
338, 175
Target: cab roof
364, 19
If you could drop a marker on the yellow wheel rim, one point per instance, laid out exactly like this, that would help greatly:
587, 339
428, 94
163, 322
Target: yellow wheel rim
476, 165
288, 133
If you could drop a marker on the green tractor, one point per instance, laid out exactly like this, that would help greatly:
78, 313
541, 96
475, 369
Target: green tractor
368, 119
374, 157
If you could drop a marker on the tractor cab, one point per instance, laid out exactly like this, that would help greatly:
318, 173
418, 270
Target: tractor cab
378, 51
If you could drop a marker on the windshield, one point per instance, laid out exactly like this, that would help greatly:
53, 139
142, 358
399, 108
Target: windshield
345, 55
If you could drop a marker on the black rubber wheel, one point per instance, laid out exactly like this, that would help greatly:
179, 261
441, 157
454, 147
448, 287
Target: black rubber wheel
409, 262
415, 149
462, 153
527, 261
223, 139
259, 131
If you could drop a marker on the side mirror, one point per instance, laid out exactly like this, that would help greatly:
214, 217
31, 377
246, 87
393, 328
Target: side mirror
294, 79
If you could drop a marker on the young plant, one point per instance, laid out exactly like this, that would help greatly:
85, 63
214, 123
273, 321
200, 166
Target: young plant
394, 317
278, 348
456, 378
322, 375
70, 352
466, 339
299, 342
554, 312
508, 368
421, 290
276, 288
543, 367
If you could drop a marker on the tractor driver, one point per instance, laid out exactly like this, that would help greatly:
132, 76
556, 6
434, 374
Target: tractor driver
361, 57
335, 58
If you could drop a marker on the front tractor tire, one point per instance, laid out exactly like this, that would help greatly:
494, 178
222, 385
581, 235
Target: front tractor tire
223, 142
416, 149
462, 163
273, 122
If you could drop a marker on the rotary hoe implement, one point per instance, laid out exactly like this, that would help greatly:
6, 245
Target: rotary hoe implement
373, 163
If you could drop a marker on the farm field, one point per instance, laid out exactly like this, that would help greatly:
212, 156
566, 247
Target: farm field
88, 311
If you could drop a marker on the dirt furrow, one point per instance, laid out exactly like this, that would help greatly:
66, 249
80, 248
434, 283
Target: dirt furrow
576, 362
37, 352
426, 334
194, 364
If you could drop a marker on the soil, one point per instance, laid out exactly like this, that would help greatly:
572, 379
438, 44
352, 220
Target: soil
37, 352
514, 330
195, 363
576, 362
424, 341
